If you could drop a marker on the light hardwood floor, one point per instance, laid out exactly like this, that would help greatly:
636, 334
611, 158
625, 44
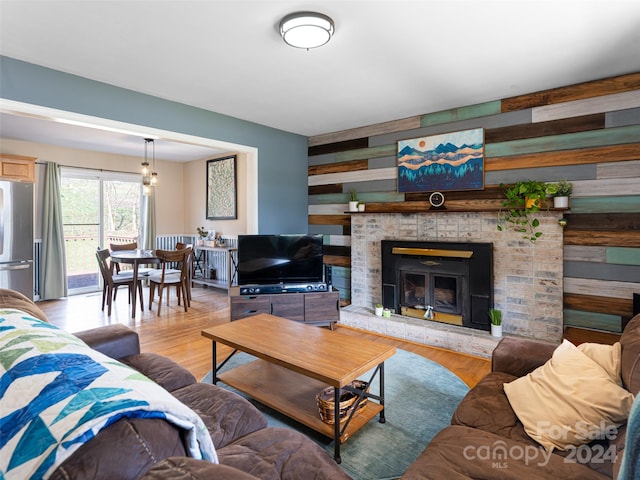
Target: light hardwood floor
177, 334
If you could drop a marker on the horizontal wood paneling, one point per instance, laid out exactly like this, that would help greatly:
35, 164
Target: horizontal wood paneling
339, 167
336, 260
590, 136
370, 152
595, 303
623, 204
623, 256
604, 288
618, 170
543, 129
358, 176
576, 253
603, 221
617, 238
462, 113
568, 141
354, 144
368, 131
606, 186
616, 153
607, 103
606, 86
591, 320
326, 189
330, 220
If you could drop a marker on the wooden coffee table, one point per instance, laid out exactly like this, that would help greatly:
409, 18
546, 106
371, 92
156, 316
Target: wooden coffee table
295, 362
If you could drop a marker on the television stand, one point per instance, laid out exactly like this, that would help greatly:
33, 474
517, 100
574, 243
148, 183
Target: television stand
320, 308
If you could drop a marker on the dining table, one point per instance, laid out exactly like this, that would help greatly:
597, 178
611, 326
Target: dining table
135, 258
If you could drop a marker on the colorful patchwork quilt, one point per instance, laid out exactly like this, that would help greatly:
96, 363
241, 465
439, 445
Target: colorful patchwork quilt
56, 393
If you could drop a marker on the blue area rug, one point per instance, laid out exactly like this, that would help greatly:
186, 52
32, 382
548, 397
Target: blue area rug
420, 398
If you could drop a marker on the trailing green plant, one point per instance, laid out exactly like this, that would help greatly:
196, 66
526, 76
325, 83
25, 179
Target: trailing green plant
517, 211
496, 316
202, 233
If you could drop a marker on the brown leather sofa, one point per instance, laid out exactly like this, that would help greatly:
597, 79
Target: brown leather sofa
153, 448
487, 440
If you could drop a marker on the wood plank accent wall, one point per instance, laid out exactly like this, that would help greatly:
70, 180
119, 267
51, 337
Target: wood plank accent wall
587, 133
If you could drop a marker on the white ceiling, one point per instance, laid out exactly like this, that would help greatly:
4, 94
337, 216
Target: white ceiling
388, 59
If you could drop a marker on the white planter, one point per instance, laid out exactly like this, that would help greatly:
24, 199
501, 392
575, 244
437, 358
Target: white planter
353, 206
496, 330
379, 311
561, 202
361, 207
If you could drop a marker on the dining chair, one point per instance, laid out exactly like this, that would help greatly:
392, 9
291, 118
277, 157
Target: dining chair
166, 276
190, 263
111, 281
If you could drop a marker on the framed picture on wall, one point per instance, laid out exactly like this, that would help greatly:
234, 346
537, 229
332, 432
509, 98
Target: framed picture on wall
449, 161
222, 184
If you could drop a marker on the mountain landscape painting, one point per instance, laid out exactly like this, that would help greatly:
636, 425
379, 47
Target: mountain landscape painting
449, 161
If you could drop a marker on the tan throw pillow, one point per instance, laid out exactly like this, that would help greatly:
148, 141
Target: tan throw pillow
568, 401
607, 356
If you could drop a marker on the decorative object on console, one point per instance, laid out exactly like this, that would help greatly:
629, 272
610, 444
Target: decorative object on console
222, 189
449, 161
202, 233
306, 29
517, 212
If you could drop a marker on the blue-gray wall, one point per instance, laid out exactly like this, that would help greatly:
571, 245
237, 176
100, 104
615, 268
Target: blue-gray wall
282, 156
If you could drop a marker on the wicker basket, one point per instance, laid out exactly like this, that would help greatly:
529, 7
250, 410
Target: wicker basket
326, 405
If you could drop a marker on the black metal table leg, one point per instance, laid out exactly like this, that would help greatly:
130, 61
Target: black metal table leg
382, 418
336, 425
215, 366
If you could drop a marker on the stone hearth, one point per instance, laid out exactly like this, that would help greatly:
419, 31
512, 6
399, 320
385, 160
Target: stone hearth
527, 283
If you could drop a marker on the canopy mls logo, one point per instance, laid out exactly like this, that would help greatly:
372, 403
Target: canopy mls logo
499, 453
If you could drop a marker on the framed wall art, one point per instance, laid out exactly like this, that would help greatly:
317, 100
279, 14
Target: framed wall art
449, 161
222, 189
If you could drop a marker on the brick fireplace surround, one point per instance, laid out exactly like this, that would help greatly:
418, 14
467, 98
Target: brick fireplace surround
527, 278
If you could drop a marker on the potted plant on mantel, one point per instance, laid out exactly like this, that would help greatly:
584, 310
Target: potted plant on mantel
353, 201
560, 191
517, 212
496, 322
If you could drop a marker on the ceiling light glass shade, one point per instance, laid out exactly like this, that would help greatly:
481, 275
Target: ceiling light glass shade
306, 29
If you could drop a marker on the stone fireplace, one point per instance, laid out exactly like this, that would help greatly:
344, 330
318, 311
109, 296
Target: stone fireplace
526, 285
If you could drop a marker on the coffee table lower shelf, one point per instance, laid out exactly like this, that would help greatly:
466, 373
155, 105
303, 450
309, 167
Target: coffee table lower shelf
291, 394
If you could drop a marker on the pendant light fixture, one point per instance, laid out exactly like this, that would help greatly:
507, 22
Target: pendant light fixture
306, 29
149, 176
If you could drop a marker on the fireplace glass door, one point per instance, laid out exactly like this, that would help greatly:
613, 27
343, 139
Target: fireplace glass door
441, 291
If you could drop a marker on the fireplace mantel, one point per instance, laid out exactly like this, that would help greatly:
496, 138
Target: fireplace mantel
527, 276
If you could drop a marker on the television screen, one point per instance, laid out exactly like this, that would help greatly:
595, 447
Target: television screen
272, 259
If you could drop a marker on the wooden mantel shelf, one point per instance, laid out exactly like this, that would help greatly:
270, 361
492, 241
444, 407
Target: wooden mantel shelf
453, 206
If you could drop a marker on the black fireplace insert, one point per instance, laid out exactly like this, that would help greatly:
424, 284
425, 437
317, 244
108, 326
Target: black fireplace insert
449, 282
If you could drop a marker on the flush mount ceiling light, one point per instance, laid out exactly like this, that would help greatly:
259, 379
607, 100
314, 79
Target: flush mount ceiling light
306, 29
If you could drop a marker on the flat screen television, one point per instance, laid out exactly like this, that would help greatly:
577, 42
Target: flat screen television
274, 259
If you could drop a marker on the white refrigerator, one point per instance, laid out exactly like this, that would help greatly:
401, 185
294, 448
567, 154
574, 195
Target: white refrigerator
16, 236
